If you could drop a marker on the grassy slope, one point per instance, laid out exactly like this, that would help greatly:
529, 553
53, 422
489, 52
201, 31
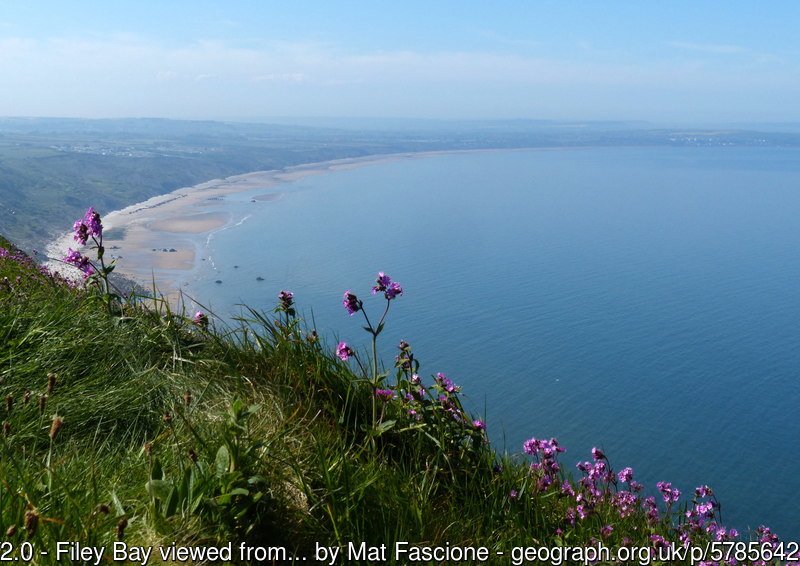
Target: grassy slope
173, 433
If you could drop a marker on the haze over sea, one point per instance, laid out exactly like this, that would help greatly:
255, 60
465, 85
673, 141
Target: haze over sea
641, 300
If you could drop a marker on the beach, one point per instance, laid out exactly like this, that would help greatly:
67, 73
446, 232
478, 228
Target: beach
162, 240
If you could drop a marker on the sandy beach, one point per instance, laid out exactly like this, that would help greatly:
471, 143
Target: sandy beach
163, 239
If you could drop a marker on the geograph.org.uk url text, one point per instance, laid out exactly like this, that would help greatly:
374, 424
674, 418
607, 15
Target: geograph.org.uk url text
408, 553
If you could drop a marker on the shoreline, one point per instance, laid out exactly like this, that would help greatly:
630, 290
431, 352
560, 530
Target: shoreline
158, 241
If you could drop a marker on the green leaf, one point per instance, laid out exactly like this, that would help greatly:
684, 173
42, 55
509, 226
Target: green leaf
118, 508
222, 461
384, 427
159, 489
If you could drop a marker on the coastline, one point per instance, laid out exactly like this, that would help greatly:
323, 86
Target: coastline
162, 241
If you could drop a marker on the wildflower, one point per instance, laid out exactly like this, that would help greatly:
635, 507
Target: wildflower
446, 384
658, 541
597, 454
766, 535
625, 502
384, 395
80, 261
704, 509
703, 491
343, 351
381, 283
81, 232
625, 475
384, 284
606, 531
394, 290
92, 221
670, 494
200, 320
513, 494
479, 424
351, 303
652, 510
287, 300
89, 225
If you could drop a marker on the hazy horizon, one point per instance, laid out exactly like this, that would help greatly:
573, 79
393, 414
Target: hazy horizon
679, 63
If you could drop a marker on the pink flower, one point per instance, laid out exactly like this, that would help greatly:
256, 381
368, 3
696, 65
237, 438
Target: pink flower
343, 351
200, 319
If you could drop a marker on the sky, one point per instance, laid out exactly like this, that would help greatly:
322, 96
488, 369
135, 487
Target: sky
697, 61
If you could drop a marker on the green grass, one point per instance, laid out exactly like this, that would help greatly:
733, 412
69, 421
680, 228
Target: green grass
252, 434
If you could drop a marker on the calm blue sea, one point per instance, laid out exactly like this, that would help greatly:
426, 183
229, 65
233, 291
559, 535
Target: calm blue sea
642, 300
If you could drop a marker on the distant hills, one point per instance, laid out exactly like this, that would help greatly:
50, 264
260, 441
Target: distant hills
51, 169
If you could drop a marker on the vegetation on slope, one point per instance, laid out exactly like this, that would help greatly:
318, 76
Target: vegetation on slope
126, 422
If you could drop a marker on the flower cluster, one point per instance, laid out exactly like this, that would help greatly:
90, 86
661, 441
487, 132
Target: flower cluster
670, 494
286, 305
351, 303
545, 453
384, 395
88, 226
82, 262
25, 261
443, 382
385, 285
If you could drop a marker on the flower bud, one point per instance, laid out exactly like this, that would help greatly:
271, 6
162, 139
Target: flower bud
31, 522
58, 422
121, 526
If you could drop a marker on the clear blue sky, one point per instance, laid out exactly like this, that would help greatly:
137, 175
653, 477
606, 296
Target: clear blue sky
676, 61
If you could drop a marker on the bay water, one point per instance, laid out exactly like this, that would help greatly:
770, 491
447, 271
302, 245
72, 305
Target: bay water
642, 300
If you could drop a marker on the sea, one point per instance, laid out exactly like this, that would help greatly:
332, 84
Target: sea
642, 300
